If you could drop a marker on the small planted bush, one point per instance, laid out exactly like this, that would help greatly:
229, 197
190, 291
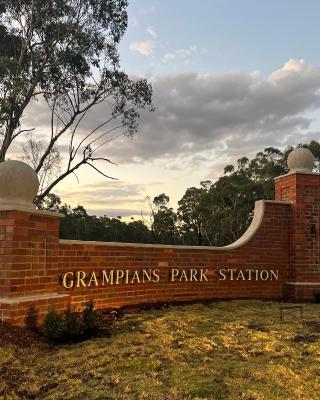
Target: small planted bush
69, 325
53, 324
89, 318
72, 324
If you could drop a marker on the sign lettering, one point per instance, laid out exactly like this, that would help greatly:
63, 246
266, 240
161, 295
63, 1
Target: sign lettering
79, 279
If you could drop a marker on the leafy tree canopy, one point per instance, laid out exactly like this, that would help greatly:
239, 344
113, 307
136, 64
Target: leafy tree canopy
65, 52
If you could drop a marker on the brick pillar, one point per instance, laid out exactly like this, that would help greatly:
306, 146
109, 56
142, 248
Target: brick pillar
29, 266
29, 241
302, 189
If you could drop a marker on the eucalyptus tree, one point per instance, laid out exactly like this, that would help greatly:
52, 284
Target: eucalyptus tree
65, 53
162, 220
193, 212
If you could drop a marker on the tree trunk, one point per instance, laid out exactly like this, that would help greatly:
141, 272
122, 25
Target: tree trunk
5, 144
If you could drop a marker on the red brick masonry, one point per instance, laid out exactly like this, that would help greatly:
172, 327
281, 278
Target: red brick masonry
277, 259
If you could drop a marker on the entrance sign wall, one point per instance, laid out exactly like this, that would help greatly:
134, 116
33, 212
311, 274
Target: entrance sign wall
277, 258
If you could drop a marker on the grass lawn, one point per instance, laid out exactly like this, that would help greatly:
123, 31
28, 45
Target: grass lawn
224, 350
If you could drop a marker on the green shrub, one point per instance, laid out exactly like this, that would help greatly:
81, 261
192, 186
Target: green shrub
89, 318
53, 324
72, 323
69, 325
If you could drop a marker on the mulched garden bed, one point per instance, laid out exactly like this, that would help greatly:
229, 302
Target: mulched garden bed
106, 319
22, 337
27, 337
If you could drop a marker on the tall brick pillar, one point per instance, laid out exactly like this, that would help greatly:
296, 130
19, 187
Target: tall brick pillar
28, 248
302, 188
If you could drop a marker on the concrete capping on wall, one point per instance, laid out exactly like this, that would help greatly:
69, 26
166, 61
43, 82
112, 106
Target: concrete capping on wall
253, 228
30, 210
35, 297
245, 238
304, 283
296, 171
255, 224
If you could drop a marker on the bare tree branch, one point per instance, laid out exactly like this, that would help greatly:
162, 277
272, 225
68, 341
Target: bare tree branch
100, 172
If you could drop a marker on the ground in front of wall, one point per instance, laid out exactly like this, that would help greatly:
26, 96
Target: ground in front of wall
237, 350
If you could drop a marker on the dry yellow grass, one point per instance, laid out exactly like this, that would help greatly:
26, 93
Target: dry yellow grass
234, 350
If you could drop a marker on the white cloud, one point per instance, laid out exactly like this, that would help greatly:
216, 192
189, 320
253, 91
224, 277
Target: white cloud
231, 114
150, 31
168, 57
184, 55
187, 52
144, 48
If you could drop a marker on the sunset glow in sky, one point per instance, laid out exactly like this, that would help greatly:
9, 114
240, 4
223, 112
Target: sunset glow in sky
230, 78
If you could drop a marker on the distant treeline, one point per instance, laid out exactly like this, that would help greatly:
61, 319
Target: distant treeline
213, 214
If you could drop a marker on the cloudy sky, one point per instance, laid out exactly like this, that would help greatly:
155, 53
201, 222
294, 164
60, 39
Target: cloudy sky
229, 78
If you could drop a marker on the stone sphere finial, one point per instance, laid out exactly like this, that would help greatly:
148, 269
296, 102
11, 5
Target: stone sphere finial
301, 159
19, 184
